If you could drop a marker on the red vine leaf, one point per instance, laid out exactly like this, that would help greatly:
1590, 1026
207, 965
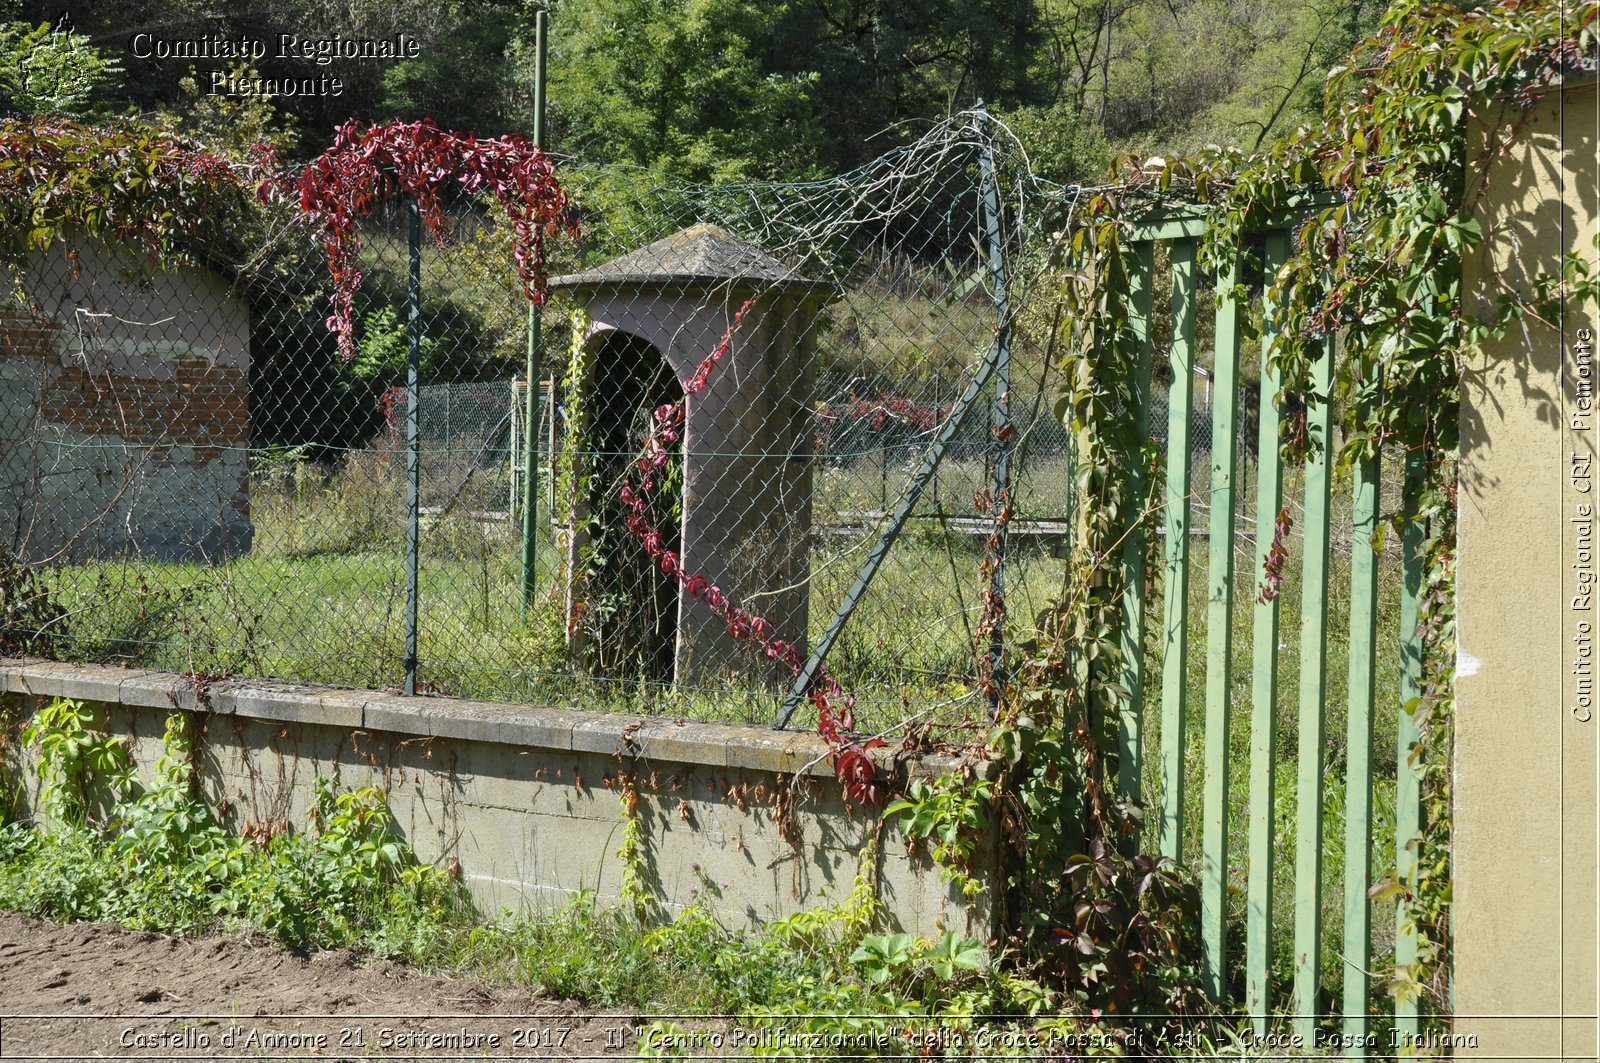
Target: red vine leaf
367, 164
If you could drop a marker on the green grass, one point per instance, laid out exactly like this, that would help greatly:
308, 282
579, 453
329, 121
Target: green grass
321, 598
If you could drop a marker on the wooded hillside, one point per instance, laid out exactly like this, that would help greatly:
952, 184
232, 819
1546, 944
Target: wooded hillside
722, 89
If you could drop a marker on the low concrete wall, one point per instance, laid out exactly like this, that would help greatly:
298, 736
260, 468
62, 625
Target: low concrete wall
524, 797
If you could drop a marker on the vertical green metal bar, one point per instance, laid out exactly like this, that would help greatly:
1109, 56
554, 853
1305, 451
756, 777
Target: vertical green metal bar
1130, 729
1358, 754
413, 448
1175, 628
1313, 697
1219, 643
1073, 802
1408, 782
1264, 666
530, 420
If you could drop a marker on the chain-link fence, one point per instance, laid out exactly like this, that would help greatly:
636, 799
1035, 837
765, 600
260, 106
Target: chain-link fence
205, 484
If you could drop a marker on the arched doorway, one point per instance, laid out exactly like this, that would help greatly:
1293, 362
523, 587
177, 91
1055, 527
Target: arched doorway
629, 612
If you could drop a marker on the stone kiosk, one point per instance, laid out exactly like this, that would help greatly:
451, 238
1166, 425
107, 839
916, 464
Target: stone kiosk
744, 512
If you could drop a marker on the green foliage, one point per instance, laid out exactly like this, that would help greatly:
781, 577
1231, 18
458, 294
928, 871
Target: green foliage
691, 86
833, 929
1130, 944
47, 71
384, 350
31, 620
728, 89
232, 124
634, 890
952, 813
75, 761
1382, 184
143, 190
159, 858
464, 77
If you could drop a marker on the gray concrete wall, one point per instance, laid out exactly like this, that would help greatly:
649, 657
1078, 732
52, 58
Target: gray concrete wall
124, 412
525, 797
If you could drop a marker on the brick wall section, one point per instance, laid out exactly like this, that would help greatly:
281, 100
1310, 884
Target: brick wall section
207, 406
197, 404
125, 413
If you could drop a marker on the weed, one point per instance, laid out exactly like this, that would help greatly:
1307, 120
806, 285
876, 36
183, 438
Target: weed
952, 813
158, 858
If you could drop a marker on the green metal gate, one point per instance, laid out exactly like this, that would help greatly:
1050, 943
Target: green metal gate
1181, 234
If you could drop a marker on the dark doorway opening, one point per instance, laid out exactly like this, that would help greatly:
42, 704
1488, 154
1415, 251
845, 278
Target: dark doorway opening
632, 614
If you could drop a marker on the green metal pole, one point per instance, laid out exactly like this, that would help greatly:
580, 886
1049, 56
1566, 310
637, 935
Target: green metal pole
1312, 701
1408, 782
1358, 756
1219, 643
530, 418
1264, 671
413, 448
1175, 587
1130, 724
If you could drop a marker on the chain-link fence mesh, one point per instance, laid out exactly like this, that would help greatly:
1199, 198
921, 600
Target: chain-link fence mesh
206, 484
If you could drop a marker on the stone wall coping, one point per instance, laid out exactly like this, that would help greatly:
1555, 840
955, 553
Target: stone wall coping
642, 738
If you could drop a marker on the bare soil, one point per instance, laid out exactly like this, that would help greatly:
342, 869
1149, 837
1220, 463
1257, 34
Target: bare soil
98, 991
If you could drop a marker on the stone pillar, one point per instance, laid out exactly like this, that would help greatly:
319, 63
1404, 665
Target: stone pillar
1527, 943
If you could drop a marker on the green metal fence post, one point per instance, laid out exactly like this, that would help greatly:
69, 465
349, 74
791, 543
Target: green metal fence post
1175, 629
1358, 755
1264, 665
413, 435
1130, 729
1408, 781
1000, 418
1219, 641
530, 420
1312, 702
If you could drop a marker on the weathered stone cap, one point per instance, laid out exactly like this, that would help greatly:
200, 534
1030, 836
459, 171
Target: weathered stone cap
701, 256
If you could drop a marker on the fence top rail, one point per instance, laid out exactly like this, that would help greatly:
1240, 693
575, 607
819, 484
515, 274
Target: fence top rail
1190, 220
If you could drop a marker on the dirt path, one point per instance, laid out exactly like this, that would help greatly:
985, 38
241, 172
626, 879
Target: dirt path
97, 991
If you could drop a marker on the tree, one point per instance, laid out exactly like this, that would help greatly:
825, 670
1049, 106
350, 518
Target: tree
47, 70
735, 88
696, 87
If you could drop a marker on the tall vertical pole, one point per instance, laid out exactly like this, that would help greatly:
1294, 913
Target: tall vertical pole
1358, 755
530, 419
1219, 642
1408, 777
413, 452
1313, 699
1175, 584
1000, 416
1264, 666
1130, 720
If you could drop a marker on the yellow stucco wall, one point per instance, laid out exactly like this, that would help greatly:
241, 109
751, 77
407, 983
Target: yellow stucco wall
1527, 941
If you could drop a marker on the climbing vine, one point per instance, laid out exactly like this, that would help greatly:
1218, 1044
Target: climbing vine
1384, 210
367, 164
147, 193
647, 475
